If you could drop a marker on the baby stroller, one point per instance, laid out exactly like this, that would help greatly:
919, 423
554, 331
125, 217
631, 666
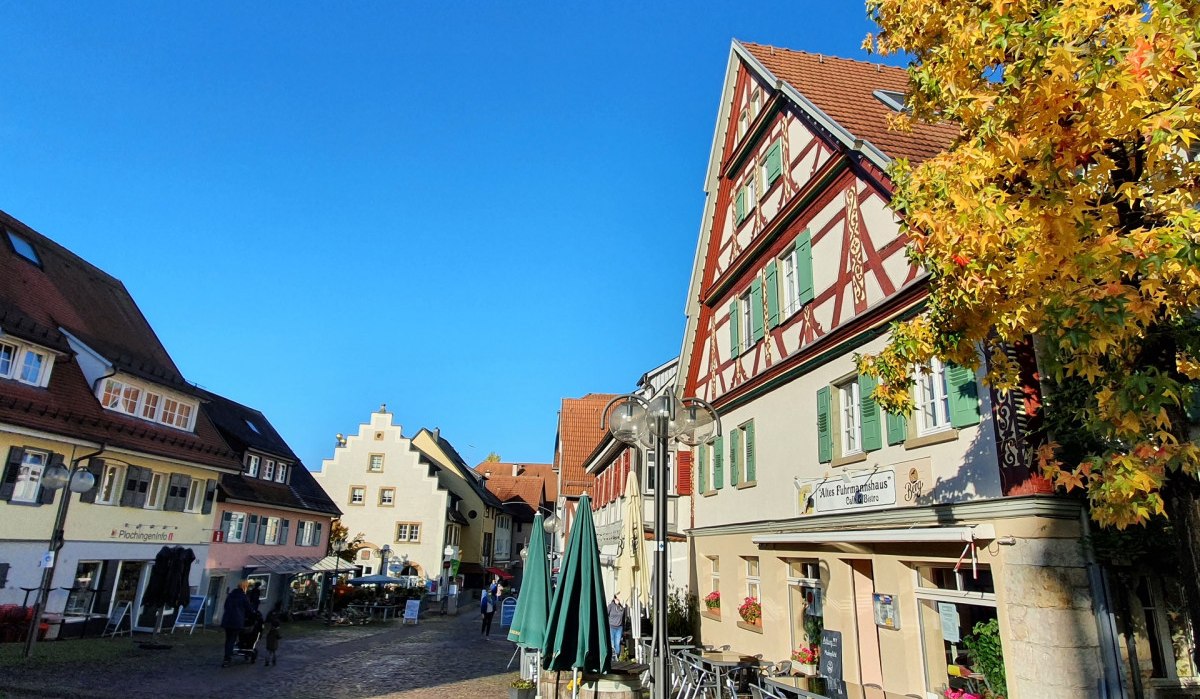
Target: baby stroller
247, 643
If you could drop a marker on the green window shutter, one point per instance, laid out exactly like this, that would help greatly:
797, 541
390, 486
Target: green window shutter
703, 468
897, 428
804, 268
871, 439
735, 457
719, 464
824, 426
739, 205
756, 316
735, 330
774, 163
772, 294
964, 396
751, 471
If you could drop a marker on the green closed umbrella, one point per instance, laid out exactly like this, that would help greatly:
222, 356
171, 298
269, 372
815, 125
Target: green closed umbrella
528, 626
577, 633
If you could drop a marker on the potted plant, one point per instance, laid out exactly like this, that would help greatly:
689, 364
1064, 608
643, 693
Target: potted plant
805, 659
520, 689
751, 611
712, 601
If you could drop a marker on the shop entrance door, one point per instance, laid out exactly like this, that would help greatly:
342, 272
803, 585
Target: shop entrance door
129, 586
215, 587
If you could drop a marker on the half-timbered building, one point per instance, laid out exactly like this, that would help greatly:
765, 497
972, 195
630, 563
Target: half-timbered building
889, 539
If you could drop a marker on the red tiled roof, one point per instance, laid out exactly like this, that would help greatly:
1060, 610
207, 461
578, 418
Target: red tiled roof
548, 475
533, 484
579, 431
68, 292
842, 88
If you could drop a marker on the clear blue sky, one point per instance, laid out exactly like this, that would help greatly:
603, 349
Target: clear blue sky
465, 210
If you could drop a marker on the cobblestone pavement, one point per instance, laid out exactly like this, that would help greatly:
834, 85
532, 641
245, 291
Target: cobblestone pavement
442, 657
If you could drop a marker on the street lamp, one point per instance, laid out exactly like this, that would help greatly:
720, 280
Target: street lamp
658, 422
339, 545
77, 480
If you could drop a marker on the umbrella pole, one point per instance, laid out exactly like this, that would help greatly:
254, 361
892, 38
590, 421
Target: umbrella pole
575, 683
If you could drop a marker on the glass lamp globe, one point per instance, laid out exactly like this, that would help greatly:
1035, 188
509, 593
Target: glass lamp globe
662, 415
524, 554
82, 481
627, 421
696, 425
551, 524
55, 477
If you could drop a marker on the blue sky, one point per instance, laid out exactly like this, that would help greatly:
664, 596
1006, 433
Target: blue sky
467, 211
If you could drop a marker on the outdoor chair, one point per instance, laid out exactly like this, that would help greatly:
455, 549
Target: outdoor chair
702, 681
758, 692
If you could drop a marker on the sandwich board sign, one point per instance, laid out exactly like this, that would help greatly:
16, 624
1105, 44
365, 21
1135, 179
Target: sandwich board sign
412, 609
189, 616
508, 609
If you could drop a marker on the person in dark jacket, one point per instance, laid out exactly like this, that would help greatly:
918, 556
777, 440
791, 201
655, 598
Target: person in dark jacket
274, 619
237, 612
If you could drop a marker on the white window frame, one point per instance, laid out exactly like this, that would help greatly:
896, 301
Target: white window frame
714, 574
156, 493
269, 470
358, 495
237, 528
271, 537
933, 400
195, 496
374, 466
9, 362
755, 103
151, 409
19, 357
743, 123
745, 320
136, 400
252, 462
114, 475
790, 278
33, 467
850, 412
648, 479
308, 533
387, 497
281, 472
753, 577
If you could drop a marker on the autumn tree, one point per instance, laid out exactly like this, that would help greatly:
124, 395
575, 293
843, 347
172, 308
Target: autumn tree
1066, 211
339, 533
492, 458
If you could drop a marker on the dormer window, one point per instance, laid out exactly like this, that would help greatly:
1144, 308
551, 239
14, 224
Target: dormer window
252, 465
124, 396
24, 248
893, 99
24, 363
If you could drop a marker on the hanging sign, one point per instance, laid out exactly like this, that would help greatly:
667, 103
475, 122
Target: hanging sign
863, 492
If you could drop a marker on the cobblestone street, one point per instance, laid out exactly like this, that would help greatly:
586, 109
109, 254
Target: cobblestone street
440, 657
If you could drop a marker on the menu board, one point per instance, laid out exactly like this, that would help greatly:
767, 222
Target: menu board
830, 666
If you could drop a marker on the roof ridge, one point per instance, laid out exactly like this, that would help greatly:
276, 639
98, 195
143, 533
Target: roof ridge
822, 56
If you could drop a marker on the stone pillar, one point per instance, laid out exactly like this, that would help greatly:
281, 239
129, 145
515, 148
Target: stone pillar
1048, 630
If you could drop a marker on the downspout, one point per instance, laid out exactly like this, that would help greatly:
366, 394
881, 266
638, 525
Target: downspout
1113, 686
112, 371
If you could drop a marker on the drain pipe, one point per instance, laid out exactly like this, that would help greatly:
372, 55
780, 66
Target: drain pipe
1113, 686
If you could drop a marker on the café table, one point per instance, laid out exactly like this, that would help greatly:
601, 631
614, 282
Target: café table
723, 662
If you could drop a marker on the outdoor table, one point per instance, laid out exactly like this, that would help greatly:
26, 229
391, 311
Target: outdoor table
379, 611
722, 661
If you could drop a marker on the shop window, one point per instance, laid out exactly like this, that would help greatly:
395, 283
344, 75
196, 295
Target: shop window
83, 592
805, 597
1167, 632
955, 606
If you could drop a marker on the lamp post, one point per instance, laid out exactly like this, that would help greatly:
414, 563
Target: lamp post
76, 480
660, 421
339, 545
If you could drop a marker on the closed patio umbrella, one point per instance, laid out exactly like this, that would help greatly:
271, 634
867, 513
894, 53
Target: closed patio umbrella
577, 632
633, 565
528, 628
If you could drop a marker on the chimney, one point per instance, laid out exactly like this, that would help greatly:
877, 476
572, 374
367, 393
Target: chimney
516, 469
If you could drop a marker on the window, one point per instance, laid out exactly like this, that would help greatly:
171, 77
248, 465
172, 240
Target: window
28, 484
804, 592
755, 103
271, 534
8, 357
131, 399
109, 488
949, 604
269, 469
933, 403
747, 311
714, 574
849, 405
24, 248
375, 463
1158, 602
387, 496
453, 535
409, 531
195, 496
31, 368
752, 577
281, 473
253, 427
357, 494
87, 577
308, 533
150, 403
154, 496
234, 526
742, 469
252, 465
25, 364
743, 123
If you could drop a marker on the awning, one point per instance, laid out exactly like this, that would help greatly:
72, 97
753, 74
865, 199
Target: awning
504, 575
332, 564
981, 532
284, 565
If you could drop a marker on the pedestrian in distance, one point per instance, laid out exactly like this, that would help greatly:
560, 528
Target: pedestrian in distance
274, 618
234, 616
616, 623
487, 607
254, 594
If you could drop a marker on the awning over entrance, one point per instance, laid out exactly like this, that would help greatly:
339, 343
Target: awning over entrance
981, 532
285, 565
504, 575
333, 564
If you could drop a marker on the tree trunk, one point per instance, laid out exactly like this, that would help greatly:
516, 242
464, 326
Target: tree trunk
1183, 510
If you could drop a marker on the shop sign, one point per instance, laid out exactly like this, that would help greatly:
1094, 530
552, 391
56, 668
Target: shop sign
140, 533
862, 492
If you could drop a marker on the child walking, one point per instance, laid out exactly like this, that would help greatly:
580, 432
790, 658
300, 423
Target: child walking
273, 635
